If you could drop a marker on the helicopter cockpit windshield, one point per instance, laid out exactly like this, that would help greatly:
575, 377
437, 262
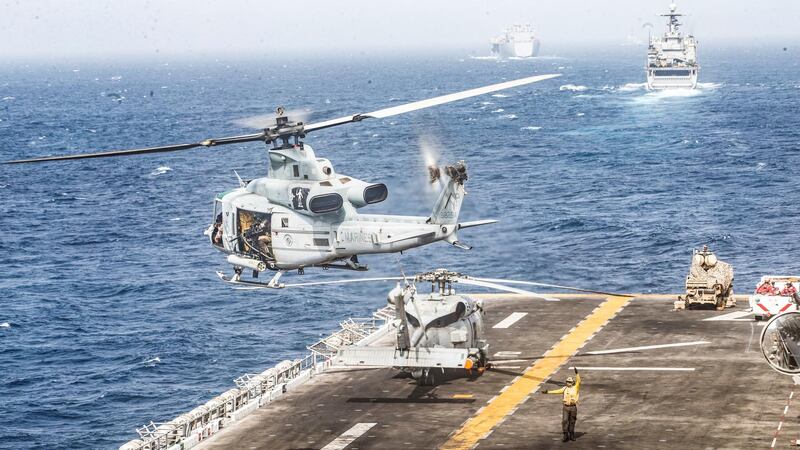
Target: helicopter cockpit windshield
255, 238
217, 227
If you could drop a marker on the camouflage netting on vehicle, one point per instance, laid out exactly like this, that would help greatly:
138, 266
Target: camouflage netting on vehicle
721, 273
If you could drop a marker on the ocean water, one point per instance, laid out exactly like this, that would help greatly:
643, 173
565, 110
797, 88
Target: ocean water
112, 316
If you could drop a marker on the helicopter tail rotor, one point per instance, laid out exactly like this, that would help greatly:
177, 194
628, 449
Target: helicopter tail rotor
430, 151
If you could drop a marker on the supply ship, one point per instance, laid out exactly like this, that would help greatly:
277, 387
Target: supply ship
672, 58
519, 41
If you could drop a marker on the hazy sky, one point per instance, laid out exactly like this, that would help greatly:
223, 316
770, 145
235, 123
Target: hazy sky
49, 29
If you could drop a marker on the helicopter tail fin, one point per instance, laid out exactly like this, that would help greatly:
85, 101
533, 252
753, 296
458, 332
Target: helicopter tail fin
448, 205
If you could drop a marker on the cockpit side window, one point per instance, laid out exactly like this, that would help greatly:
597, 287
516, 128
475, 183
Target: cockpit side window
217, 229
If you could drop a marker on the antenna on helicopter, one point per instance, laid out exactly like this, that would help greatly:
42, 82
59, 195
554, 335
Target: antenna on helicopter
241, 182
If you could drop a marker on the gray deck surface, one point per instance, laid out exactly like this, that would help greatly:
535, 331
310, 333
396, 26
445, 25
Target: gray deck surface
731, 400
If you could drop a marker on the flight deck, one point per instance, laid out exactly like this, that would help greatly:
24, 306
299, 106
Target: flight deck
652, 378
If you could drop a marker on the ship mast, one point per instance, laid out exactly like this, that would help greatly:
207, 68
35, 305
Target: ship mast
673, 19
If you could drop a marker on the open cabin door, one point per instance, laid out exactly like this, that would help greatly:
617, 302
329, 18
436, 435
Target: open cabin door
255, 235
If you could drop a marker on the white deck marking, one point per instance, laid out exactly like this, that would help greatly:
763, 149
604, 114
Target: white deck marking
510, 320
782, 419
501, 354
349, 436
662, 369
735, 316
646, 347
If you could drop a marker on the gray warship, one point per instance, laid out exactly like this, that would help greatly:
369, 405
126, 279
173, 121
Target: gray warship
672, 57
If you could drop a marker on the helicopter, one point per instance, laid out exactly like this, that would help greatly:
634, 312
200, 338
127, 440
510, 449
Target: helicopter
304, 214
438, 334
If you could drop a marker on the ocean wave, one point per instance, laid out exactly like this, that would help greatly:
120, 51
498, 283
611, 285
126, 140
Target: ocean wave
709, 86
630, 87
572, 87
509, 116
9, 98
151, 362
5, 325
161, 170
498, 110
669, 93
499, 95
485, 58
531, 128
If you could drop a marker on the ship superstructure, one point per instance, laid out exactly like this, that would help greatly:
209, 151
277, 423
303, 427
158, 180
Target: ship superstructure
518, 41
672, 58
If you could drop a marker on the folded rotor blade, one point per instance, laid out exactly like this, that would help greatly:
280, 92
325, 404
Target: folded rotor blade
556, 286
354, 280
500, 287
414, 106
139, 151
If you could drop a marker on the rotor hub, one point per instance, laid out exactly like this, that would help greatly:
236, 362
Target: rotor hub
285, 133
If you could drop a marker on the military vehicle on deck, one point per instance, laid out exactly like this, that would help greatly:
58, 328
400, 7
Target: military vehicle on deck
709, 283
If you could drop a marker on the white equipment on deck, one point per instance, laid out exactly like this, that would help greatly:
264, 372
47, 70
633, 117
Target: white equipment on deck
766, 305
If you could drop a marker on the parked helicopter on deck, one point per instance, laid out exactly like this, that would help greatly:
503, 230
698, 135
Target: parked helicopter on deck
438, 335
304, 214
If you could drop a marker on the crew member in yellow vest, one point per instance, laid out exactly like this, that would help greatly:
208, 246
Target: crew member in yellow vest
569, 396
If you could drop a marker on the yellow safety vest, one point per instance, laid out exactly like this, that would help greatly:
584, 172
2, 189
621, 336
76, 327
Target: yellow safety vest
570, 394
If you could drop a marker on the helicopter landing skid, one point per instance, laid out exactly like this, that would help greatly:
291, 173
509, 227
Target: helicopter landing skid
272, 284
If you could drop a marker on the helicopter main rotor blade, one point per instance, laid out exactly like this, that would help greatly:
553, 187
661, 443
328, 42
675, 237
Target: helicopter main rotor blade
421, 104
354, 280
556, 286
139, 151
379, 114
500, 287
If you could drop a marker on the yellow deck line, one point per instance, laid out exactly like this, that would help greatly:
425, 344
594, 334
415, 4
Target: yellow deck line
487, 418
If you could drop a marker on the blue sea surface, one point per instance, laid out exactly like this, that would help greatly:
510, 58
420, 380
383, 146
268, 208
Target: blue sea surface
111, 314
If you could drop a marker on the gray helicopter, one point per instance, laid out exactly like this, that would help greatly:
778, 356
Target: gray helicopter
304, 214
438, 334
